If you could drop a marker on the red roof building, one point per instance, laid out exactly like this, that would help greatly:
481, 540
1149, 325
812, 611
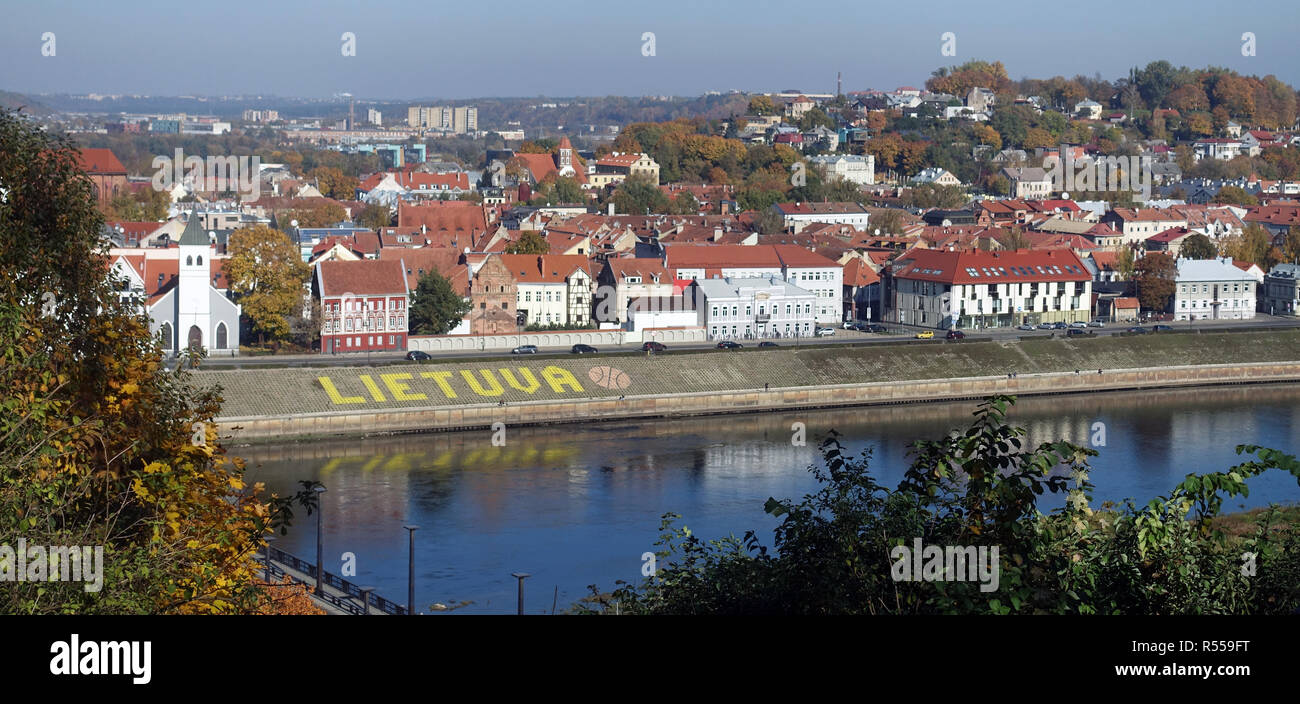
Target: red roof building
363, 305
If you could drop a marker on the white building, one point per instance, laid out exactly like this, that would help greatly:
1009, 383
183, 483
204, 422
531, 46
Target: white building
963, 289
1088, 109
850, 167
1213, 289
552, 289
178, 289
754, 308
937, 176
1218, 148
812, 272
796, 215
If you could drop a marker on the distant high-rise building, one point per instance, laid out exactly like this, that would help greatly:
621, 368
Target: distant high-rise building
374, 117
459, 120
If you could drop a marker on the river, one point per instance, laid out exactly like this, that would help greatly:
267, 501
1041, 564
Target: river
575, 505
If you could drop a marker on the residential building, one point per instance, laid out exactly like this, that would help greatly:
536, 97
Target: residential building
624, 279
107, 175
849, 167
494, 295
1213, 289
754, 307
1028, 182
1280, 293
1088, 109
937, 176
796, 215
810, 271
1216, 148
551, 289
615, 168
970, 288
364, 304
1135, 225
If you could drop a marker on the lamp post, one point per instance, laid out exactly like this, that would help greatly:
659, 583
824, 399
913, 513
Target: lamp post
320, 547
410, 569
268, 540
365, 600
521, 576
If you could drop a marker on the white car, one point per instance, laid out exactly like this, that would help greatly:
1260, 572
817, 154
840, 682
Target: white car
524, 349
1079, 324
825, 332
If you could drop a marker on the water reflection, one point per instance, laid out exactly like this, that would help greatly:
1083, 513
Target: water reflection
577, 504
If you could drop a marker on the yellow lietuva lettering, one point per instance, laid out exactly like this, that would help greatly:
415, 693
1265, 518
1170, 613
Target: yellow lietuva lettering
335, 396
558, 378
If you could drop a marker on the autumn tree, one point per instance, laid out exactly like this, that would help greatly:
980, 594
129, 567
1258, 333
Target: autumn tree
436, 308
333, 183
1254, 244
375, 216
1198, 246
99, 444
529, 242
1234, 195
267, 277
317, 213
1125, 263
1153, 280
761, 105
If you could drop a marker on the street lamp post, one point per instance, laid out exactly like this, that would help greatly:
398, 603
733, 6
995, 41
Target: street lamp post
521, 576
410, 569
320, 547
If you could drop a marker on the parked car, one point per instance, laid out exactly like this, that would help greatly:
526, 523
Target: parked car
1060, 326
1079, 324
925, 334
768, 343
1162, 328
874, 327
1046, 326
524, 349
583, 349
417, 356
1137, 330
1075, 332
955, 335
654, 347
1096, 324
1025, 326
729, 345
825, 332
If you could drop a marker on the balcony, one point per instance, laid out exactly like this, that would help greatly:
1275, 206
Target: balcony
762, 317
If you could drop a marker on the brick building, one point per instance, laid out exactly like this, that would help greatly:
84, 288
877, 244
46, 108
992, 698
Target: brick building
493, 294
363, 305
106, 174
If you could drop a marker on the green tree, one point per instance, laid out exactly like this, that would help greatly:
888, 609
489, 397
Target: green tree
637, 196
529, 242
1254, 244
375, 216
1235, 195
267, 277
761, 105
1198, 246
436, 308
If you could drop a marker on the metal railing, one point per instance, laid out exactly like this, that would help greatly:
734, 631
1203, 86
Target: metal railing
351, 604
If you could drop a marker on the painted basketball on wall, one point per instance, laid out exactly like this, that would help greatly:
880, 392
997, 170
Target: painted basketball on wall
609, 377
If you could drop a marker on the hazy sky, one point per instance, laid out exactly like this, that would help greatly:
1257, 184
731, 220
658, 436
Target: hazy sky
408, 49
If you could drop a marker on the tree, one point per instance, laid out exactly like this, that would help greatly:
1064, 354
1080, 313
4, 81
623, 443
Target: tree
769, 221
375, 216
529, 242
317, 213
1254, 244
267, 277
436, 308
1153, 279
1234, 195
99, 444
1198, 246
1125, 262
1291, 245
761, 105
637, 196
332, 183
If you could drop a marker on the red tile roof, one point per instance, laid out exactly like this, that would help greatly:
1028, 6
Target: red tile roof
100, 161
1016, 266
544, 268
366, 277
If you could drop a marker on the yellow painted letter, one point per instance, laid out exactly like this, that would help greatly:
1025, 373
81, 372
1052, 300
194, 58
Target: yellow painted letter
398, 389
334, 394
441, 379
558, 378
495, 386
526, 374
373, 388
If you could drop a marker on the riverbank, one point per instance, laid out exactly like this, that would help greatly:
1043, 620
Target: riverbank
461, 395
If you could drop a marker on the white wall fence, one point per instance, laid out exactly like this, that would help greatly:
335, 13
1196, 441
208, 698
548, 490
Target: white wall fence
557, 338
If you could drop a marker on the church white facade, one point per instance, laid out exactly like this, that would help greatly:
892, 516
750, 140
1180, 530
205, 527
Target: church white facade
184, 305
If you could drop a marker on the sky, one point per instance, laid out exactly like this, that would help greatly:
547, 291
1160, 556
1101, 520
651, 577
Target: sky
434, 48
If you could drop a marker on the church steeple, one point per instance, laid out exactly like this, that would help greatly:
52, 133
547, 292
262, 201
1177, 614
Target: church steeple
564, 157
193, 233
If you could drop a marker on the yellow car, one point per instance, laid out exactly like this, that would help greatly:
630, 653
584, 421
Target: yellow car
925, 335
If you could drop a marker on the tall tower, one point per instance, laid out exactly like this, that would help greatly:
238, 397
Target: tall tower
839, 83
564, 160
193, 302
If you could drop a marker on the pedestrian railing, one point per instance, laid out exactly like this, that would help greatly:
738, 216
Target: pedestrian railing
351, 603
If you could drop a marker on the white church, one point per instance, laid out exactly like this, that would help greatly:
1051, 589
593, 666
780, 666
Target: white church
180, 292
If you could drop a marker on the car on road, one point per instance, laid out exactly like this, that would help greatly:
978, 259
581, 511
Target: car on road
768, 343
1060, 326
1025, 326
955, 335
582, 349
729, 345
1162, 328
524, 349
1046, 326
417, 356
654, 347
1096, 324
1137, 330
825, 332
925, 334
1079, 324
1075, 332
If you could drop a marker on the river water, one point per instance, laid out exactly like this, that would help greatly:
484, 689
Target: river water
575, 505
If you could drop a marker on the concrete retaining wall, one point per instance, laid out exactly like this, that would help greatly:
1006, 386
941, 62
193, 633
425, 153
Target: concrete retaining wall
561, 338
741, 401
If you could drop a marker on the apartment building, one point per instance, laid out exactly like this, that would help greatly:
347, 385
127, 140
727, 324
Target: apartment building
822, 277
754, 307
551, 289
1213, 289
966, 289
1280, 292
